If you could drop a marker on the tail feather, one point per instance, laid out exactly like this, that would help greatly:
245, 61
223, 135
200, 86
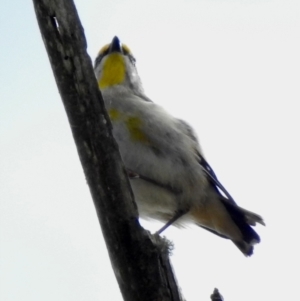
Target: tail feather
226, 219
245, 248
252, 218
241, 218
244, 219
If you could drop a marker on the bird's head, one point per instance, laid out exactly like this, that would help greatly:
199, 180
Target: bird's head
115, 66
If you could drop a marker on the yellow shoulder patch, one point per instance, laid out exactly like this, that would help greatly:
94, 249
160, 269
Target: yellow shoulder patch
114, 114
134, 126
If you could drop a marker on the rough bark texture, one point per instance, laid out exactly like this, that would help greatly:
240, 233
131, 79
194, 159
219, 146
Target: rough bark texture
141, 265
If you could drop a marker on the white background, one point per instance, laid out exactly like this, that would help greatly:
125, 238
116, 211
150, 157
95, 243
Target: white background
229, 68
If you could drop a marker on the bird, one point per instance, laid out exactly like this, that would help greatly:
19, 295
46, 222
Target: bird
171, 180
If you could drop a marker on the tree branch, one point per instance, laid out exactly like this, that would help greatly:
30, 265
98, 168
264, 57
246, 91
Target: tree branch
142, 270
216, 296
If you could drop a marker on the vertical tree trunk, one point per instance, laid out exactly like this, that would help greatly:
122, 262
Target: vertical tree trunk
140, 263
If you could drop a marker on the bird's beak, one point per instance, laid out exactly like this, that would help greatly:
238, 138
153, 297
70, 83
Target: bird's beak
115, 45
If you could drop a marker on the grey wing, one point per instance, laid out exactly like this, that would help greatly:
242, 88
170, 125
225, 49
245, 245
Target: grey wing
211, 176
188, 130
143, 97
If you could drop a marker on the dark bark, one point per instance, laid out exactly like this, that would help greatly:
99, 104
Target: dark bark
140, 263
216, 296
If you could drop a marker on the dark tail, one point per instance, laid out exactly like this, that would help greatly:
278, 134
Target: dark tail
224, 218
244, 219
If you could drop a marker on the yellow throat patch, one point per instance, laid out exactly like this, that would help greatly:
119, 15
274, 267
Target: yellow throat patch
113, 71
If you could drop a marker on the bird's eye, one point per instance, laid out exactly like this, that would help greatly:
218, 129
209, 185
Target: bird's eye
125, 52
132, 59
98, 60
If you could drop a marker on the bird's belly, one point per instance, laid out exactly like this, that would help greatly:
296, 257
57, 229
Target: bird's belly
167, 164
154, 202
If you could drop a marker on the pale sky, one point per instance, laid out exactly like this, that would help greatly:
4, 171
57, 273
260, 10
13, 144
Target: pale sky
229, 68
